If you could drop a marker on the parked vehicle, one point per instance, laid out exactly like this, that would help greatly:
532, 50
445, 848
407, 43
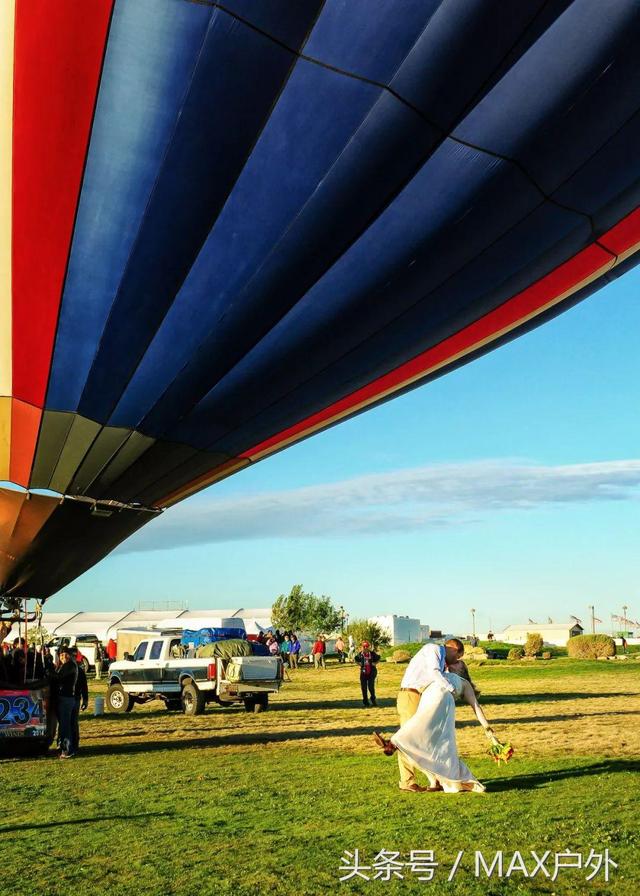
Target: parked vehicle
157, 670
86, 646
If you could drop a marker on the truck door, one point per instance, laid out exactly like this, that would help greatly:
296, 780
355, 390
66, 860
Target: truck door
171, 673
138, 674
155, 663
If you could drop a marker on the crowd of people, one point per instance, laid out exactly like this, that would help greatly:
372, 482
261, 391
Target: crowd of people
19, 663
287, 645
284, 644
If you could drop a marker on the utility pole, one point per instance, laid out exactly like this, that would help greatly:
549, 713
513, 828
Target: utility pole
624, 620
473, 622
593, 619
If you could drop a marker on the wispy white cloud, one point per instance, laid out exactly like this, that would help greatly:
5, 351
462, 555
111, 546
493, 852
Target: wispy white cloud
408, 500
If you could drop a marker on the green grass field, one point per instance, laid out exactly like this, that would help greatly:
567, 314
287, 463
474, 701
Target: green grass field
236, 803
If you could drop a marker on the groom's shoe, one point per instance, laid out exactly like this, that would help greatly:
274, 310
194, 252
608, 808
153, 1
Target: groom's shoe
414, 788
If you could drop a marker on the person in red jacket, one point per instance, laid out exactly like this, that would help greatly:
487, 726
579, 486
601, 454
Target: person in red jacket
368, 660
112, 650
318, 651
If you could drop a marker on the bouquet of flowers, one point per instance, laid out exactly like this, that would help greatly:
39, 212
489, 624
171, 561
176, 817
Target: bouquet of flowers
499, 752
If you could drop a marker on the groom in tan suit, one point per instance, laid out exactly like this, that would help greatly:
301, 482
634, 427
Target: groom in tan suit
426, 667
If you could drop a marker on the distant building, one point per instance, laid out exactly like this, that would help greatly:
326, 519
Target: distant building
555, 634
402, 629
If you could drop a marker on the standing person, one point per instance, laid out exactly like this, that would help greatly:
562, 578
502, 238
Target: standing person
19, 667
112, 650
368, 659
19, 660
47, 659
66, 678
318, 652
272, 646
426, 667
352, 649
5, 670
340, 649
295, 651
81, 697
98, 663
35, 663
285, 649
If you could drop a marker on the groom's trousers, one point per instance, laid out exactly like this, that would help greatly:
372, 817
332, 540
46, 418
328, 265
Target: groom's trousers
407, 704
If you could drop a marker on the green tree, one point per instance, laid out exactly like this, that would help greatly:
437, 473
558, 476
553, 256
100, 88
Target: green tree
303, 611
322, 616
363, 630
289, 611
37, 636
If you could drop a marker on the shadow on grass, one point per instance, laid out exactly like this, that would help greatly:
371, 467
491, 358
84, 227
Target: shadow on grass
559, 717
467, 723
16, 828
276, 706
297, 706
547, 697
540, 779
224, 740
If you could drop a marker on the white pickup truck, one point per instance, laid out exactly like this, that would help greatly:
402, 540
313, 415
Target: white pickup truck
188, 684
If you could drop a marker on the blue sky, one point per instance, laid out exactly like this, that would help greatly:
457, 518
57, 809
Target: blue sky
511, 485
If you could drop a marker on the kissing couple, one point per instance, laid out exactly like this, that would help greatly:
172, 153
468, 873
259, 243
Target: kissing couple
426, 739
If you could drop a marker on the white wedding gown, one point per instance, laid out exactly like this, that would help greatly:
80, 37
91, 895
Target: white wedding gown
428, 739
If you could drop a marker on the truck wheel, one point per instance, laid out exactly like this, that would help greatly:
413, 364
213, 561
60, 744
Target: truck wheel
85, 665
193, 702
250, 704
118, 700
262, 703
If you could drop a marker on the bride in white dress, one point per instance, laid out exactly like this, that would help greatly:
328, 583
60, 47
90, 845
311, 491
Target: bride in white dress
428, 739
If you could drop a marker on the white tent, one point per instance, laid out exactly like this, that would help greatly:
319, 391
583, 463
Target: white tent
105, 625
